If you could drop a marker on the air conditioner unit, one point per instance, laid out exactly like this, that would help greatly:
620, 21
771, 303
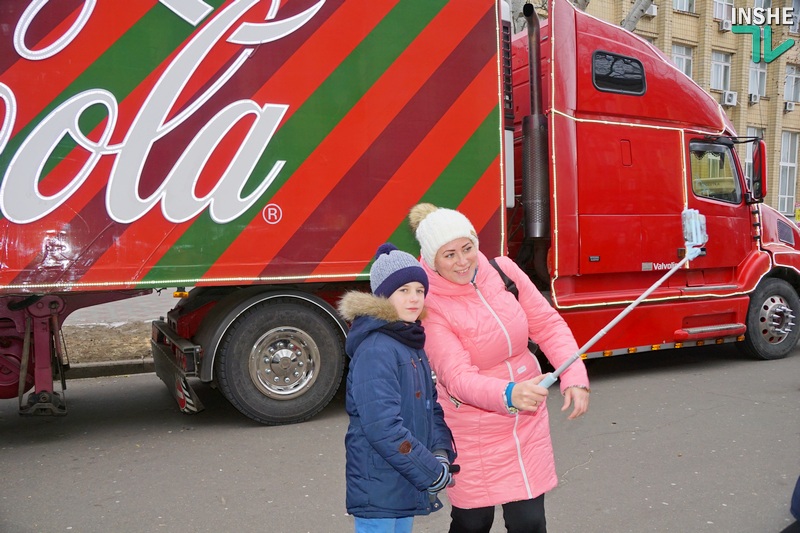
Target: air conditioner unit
652, 11
729, 98
725, 25
754, 98
788, 107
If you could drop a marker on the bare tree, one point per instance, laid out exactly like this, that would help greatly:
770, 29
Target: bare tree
629, 23
518, 21
636, 12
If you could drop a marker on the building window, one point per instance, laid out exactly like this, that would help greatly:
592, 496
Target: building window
758, 79
682, 57
748, 154
765, 4
788, 176
723, 9
713, 172
683, 5
720, 71
795, 15
791, 89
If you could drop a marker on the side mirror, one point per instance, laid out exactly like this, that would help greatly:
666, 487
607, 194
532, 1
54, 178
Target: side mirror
758, 187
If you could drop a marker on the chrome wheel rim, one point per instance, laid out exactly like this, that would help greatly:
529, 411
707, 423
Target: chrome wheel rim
284, 363
776, 319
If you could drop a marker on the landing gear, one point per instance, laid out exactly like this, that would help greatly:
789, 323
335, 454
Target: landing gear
31, 354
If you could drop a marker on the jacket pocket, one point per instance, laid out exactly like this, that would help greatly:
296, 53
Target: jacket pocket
389, 489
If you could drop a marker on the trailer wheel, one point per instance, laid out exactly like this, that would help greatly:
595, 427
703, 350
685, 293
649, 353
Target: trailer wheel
280, 362
771, 330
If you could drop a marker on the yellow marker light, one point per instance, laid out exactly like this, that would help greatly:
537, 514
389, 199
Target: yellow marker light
701, 343
180, 292
679, 345
740, 338
631, 350
655, 347
719, 341
607, 353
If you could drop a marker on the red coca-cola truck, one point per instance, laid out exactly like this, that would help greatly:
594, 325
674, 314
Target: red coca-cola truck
260, 151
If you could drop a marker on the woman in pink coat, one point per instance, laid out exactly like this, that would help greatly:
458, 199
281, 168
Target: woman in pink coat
477, 343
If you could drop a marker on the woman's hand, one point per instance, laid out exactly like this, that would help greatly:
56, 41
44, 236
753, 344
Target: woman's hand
579, 398
528, 395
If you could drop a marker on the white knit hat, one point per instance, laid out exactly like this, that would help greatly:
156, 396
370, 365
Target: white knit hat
436, 226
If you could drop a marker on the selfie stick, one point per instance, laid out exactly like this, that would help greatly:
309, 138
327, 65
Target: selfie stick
694, 236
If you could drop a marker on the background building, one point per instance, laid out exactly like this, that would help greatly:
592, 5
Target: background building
762, 99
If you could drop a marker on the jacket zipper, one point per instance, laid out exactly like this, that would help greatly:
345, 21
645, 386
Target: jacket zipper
517, 444
497, 318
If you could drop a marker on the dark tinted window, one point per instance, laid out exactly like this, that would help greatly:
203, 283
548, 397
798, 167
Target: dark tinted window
618, 74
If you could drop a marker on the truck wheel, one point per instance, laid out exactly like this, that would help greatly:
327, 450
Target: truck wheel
771, 330
280, 362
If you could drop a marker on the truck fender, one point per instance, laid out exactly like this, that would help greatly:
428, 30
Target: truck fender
216, 323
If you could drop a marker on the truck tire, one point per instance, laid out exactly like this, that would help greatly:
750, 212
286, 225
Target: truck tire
771, 330
281, 361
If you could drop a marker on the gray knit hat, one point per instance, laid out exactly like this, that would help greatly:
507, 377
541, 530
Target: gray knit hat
394, 268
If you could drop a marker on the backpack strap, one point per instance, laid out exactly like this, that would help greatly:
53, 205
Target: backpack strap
510, 285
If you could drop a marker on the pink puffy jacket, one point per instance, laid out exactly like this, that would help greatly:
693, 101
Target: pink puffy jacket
477, 342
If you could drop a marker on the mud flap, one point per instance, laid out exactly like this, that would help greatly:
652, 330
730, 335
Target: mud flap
176, 382
167, 367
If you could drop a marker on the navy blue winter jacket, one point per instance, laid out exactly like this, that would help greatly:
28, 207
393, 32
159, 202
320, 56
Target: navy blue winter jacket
395, 419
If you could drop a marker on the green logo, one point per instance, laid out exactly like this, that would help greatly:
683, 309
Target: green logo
770, 54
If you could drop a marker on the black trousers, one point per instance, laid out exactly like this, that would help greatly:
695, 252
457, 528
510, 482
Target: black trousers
525, 516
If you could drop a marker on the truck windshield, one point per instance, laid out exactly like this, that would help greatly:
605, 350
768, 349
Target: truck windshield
714, 173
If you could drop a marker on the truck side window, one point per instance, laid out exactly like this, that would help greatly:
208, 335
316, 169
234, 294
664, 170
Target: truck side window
617, 74
713, 172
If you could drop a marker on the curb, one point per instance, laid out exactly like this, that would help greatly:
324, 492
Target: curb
110, 368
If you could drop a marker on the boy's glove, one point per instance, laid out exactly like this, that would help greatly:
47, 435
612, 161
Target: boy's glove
445, 479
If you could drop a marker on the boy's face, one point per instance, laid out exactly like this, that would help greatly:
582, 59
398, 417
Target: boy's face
408, 300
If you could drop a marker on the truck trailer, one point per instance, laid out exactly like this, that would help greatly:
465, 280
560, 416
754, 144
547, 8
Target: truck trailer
258, 152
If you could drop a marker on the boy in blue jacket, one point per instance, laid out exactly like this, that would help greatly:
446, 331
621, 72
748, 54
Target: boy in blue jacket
398, 448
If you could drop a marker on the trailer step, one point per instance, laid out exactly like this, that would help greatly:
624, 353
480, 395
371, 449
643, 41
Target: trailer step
705, 332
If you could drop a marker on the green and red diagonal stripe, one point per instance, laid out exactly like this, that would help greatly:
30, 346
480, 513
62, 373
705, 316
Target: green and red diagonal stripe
389, 103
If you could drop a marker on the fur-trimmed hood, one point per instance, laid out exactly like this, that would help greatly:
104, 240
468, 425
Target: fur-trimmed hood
354, 304
366, 313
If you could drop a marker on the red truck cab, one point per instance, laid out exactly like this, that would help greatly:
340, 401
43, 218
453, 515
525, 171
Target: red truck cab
631, 142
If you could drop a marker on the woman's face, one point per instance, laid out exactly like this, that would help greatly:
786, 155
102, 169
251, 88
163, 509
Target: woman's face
457, 261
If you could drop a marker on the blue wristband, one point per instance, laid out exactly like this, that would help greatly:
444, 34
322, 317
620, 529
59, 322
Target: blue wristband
509, 388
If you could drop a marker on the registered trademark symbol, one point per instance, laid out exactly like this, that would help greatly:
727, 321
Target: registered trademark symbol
272, 214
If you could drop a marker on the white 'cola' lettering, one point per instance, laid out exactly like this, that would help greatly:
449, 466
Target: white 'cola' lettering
22, 202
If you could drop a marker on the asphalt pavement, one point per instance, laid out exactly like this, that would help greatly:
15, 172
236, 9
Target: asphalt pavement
701, 440
692, 440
